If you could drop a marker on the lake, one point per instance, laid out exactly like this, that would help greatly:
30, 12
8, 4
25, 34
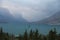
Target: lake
19, 28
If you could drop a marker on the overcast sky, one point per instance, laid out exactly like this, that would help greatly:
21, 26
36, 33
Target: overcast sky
31, 10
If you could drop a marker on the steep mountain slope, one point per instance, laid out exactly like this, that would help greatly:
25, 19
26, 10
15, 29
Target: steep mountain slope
6, 16
54, 19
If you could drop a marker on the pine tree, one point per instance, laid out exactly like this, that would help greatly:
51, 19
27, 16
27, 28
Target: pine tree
44, 38
40, 37
25, 35
31, 35
36, 35
52, 35
1, 33
58, 37
55, 34
1, 30
20, 37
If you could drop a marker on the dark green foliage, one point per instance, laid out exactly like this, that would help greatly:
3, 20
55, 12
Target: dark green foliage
25, 37
20, 37
36, 35
32, 35
52, 35
4, 36
40, 37
58, 37
1, 30
44, 38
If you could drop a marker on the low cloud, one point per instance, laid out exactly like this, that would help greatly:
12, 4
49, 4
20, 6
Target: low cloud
32, 10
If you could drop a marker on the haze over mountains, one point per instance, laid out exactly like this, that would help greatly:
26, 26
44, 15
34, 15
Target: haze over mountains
54, 19
6, 16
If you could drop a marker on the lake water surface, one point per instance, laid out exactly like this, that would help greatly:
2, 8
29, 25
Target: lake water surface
19, 28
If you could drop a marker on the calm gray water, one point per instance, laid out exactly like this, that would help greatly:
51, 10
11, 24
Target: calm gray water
19, 28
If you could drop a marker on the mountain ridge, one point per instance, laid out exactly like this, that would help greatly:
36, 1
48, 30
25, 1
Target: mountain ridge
6, 16
54, 19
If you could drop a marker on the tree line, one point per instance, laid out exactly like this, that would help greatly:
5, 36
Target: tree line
35, 35
32, 35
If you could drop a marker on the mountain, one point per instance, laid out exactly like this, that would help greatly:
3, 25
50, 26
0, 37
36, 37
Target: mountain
6, 16
54, 19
